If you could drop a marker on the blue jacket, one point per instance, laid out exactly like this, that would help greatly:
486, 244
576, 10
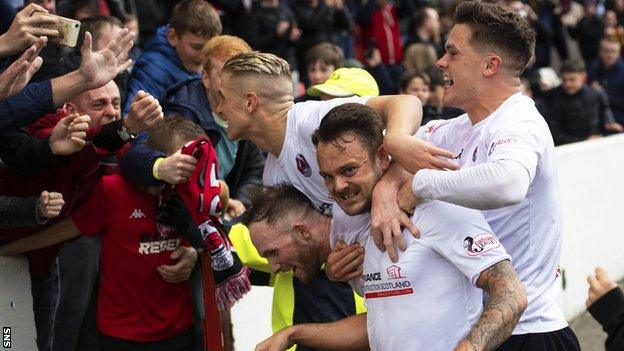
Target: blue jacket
158, 68
189, 99
612, 79
34, 101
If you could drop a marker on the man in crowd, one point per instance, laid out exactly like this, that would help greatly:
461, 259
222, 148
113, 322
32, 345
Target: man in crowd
608, 73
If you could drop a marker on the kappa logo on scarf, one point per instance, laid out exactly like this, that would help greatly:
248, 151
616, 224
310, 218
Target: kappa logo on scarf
303, 166
480, 244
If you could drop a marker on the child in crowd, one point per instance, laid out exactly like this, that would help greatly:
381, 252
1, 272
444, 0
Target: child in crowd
142, 305
321, 61
175, 52
417, 84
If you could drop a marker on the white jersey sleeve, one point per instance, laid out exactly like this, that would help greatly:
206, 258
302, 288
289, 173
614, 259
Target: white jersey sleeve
464, 237
483, 187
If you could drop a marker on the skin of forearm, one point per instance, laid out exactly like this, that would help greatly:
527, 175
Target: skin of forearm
401, 114
503, 308
348, 334
67, 87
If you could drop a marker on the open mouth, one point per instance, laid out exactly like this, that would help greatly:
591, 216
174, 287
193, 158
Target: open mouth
448, 82
349, 196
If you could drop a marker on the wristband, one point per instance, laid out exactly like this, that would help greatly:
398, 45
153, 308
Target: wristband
155, 168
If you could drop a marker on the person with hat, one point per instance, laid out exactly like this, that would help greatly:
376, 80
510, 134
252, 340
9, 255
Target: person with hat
346, 82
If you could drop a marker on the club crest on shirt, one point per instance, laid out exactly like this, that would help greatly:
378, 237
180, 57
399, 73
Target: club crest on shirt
303, 166
479, 244
394, 272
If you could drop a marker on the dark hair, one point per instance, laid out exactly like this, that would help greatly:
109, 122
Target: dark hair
329, 54
355, 118
407, 77
418, 18
573, 66
197, 17
161, 135
94, 26
494, 26
273, 202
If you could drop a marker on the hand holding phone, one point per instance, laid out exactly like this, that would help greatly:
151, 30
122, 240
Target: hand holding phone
67, 28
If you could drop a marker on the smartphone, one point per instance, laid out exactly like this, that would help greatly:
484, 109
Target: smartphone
68, 30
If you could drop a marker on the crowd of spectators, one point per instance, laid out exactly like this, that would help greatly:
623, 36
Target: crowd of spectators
70, 117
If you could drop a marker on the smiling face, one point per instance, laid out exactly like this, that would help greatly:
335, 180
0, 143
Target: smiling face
350, 173
286, 249
231, 107
461, 66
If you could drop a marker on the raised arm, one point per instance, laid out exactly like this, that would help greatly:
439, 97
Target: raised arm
57, 233
96, 68
505, 303
348, 334
402, 115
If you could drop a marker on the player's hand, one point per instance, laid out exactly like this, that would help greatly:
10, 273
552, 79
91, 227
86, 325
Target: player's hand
27, 27
387, 220
17, 75
145, 112
415, 154
180, 271
177, 168
599, 285
235, 208
69, 135
277, 342
50, 204
407, 199
344, 262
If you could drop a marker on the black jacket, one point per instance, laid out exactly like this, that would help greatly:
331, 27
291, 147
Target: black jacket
573, 118
609, 312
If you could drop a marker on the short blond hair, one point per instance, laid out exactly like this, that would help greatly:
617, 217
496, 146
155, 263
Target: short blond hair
257, 63
223, 47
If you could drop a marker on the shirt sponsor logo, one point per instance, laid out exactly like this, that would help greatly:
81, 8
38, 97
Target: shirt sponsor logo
137, 213
303, 166
158, 246
396, 284
501, 142
479, 244
474, 154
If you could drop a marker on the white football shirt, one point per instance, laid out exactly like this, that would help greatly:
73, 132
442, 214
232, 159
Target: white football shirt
296, 164
428, 299
531, 230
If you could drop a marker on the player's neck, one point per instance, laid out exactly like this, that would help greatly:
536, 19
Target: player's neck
489, 102
325, 247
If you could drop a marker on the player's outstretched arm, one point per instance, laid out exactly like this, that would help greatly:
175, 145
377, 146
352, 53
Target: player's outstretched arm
402, 115
59, 232
348, 334
503, 308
